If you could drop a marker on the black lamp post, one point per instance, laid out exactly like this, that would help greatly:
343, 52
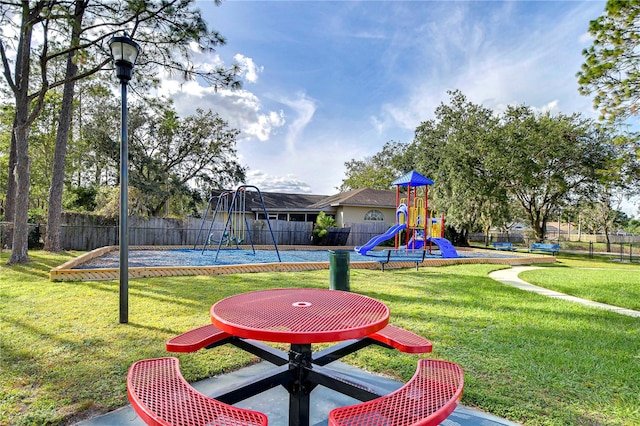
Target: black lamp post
124, 52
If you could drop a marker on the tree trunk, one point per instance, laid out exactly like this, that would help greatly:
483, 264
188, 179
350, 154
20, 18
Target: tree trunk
539, 233
10, 201
20, 222
539, 226
607, 239
487, 236
459, 239
22, 121
52, 240
543, 229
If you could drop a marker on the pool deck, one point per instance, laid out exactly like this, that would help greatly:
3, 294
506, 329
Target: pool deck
66, 271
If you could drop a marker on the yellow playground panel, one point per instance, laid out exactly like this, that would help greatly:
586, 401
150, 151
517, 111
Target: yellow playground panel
416, 213
436, 227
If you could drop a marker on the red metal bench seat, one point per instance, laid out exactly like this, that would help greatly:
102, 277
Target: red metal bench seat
196, 339
208, 335
161, 396
403, 340
427, 399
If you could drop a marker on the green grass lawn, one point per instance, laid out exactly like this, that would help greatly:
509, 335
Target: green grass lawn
534, 360
600, 281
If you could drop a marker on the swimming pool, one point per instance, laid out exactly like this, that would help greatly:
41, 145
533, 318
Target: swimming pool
102, 264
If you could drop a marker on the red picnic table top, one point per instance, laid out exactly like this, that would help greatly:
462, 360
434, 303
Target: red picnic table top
300, 315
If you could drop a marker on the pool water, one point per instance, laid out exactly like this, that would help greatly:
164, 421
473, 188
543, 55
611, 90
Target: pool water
189, 257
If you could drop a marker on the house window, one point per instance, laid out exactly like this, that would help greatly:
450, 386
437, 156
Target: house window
374, 215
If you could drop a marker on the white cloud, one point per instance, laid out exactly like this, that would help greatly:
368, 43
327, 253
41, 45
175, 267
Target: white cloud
265, 125
268, 183
204, 61
552, 106
241, 108
316, 167
303, 109
171, 86
496, 71
244, 110
249, 69
377, 124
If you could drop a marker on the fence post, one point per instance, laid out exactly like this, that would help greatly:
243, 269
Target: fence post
621, 252
590, 249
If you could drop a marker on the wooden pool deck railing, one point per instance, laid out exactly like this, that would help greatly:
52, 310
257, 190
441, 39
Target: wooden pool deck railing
66, 271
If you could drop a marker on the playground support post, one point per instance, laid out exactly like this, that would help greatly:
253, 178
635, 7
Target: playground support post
397, 237
242, 189
221, 204
206, 213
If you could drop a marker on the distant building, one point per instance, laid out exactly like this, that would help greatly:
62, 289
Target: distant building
363, 205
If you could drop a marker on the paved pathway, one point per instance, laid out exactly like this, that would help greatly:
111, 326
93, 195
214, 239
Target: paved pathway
510, 277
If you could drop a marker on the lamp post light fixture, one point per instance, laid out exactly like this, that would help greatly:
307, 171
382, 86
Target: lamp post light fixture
124, 53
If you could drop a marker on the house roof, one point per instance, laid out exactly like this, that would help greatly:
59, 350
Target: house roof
280, 201
366, 197
275, 201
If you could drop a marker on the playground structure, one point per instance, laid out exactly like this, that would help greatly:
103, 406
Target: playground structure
232, 206
412, 216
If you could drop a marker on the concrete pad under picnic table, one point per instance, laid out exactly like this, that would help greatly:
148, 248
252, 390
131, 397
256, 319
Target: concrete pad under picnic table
274, 402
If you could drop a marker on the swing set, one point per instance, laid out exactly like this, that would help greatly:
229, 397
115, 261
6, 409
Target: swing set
232, 208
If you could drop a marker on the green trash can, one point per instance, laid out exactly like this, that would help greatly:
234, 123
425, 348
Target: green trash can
339, 269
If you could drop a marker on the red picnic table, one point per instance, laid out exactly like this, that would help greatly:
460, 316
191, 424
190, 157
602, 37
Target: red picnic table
300, 317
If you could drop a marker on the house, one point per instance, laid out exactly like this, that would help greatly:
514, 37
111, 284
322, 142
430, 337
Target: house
363, 205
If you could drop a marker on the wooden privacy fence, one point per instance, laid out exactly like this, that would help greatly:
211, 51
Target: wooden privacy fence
88, 232
362, 232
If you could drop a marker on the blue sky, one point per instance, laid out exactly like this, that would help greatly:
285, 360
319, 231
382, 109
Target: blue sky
327, 82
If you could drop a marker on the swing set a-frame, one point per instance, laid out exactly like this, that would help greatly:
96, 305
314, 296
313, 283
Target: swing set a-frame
232, 207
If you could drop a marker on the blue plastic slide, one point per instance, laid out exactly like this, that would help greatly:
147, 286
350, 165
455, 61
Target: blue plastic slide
414, 244
391, 232
446, 248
